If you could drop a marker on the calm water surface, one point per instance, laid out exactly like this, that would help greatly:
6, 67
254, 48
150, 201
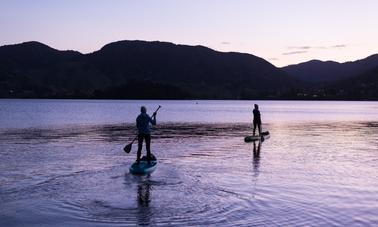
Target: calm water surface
62, 164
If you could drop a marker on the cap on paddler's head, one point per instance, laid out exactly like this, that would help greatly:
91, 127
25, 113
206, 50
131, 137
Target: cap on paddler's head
143, 109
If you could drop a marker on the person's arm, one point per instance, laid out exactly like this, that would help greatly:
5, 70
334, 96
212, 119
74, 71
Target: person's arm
138, 124
260, 117
153, 119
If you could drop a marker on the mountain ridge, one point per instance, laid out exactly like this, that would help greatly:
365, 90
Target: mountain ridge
162, 70
30, 68
317, 71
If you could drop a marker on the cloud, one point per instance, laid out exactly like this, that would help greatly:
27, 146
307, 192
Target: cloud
225, 43
300, 47
316, 47
306, 49
339, 46
273, 59
295, 52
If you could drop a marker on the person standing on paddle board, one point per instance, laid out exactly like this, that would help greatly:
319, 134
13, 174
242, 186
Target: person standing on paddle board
256, 119
143, 122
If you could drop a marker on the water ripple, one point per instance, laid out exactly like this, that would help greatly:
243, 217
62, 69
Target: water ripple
322, 173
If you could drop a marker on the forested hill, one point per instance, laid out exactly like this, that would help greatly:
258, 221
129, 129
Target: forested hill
316, 71
138, 69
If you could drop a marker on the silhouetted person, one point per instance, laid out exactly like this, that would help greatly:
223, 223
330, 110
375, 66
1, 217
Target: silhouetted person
143, 122
256, 119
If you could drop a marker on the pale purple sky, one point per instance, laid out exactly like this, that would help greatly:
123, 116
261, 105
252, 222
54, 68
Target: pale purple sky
282, 32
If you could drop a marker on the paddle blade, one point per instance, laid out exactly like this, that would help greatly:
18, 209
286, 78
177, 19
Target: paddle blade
127, 148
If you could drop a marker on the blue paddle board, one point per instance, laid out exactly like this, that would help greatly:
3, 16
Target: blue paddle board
144, 167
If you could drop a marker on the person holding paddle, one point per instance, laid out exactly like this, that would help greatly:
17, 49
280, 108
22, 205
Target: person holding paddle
256, 119
143, 122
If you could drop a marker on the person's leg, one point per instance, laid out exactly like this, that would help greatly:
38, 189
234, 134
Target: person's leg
140, 143
148, 147
259, 126
254, 127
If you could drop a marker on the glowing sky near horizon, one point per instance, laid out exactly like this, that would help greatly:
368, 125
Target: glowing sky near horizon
282, 32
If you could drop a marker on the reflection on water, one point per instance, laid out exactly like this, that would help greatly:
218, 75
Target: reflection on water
313, 173
144, 193
256, 157
144, 199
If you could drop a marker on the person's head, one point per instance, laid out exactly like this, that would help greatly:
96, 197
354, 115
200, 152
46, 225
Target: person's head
143, 109
256, 107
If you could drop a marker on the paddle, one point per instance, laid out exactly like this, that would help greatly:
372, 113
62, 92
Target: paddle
128, 147
156, 110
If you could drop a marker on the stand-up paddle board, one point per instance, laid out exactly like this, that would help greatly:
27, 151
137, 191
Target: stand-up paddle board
144, 167
263, 136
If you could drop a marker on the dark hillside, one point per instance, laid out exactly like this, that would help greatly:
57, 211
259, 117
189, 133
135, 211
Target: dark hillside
34, 70
316, 71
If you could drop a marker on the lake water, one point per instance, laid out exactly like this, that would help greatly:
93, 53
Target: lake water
62, 164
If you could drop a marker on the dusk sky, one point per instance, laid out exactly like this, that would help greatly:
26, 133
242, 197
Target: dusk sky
282, 32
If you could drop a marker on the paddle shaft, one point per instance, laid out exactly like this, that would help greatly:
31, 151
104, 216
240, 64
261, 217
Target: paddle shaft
135, 138
156, 110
